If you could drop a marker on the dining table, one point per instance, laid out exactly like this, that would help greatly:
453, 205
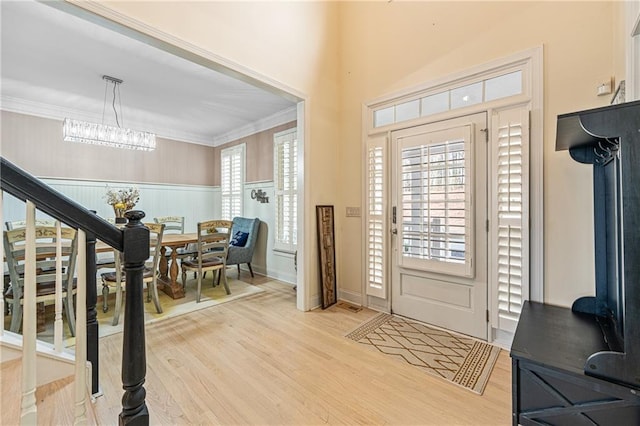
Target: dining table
167, 281
168, 265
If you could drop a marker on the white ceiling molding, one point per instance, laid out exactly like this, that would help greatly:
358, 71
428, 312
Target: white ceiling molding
282, 117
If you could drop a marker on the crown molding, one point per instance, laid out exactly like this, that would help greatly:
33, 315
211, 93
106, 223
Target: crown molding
281, 117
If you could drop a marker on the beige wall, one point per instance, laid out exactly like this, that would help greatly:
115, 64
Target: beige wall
391, 46
290, 42
258, 154
620, 35
36, 145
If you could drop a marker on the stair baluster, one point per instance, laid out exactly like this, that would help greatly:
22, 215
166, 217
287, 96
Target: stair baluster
81, 332
29, 412
58, 326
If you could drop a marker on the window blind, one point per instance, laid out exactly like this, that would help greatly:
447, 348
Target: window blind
232, 181
286, 189
375, 220
436, 225
511, 232
434, 215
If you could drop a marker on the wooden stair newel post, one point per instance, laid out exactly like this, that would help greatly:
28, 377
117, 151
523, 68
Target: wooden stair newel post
134, 363
92, 314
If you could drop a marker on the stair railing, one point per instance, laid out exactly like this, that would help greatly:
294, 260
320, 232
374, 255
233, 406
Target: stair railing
133, 241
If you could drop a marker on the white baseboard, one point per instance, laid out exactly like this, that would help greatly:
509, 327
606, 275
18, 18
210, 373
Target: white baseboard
378, 304
277, 275
502, 338
350, 296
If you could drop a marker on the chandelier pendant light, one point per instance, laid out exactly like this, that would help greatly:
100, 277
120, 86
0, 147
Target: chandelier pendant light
105, 135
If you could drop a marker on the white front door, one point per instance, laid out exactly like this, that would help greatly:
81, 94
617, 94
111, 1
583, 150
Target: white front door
439, 224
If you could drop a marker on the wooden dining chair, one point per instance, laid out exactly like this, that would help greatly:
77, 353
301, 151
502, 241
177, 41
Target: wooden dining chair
211, 253
150, 274
14, 248
19, 224
172, 224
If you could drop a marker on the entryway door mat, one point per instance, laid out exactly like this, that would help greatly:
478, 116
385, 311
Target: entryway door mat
462, 360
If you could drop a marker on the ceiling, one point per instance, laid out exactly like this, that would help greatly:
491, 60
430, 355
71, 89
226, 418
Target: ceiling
52, 64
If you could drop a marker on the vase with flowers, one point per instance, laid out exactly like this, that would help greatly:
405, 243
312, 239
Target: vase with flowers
122, 200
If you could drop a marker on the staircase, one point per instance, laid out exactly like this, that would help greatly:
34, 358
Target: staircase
43, 383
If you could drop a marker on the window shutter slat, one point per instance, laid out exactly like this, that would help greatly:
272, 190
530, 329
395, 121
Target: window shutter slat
375, 219
232, 162
286, 185
436, 192
511, 270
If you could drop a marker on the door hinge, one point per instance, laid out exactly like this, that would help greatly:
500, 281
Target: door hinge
487, 223
486, 134
487, 315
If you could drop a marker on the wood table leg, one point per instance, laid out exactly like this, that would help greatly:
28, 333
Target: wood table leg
173, 271
170, 285
163, 266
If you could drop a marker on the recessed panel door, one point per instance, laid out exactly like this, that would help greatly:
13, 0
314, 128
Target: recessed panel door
439, 224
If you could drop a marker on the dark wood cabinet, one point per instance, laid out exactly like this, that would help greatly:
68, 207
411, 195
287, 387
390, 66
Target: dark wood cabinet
581, 366
549, 352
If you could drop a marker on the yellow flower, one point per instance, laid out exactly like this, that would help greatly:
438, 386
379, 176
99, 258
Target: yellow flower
119, 205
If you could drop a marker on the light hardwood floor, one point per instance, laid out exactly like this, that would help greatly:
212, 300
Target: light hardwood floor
259, 361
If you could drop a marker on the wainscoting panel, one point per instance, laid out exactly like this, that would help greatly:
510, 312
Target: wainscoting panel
195, 203
265, 260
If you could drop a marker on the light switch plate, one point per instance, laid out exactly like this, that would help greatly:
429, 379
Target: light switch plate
604, 88
353, 211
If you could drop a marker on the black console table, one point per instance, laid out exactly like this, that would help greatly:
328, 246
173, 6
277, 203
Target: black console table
581, 366
548, 354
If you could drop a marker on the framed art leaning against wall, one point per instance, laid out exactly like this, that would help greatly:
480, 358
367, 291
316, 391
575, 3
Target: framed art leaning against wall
326, 255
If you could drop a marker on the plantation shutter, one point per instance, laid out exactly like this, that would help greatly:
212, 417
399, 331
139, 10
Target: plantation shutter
286, 185
510, 235
376, 226
232, 181
435, 217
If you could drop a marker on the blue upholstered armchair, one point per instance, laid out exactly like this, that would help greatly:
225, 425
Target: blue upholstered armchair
244, 234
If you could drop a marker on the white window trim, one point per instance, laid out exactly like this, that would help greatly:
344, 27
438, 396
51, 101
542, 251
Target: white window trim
282, 246
531, 61
231, 151
632, 39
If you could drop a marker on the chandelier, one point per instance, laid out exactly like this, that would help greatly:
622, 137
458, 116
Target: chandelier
102, 134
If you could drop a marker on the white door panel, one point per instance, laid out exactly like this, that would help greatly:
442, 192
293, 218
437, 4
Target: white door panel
439, 242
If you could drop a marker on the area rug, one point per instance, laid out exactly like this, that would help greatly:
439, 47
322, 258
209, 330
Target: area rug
461, 360
211, 297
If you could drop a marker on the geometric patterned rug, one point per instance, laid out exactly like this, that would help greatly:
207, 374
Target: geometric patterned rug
461, 360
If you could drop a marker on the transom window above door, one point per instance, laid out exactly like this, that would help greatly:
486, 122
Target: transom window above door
488, 89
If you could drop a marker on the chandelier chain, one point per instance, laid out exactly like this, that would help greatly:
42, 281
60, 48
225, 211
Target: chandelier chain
104, 104
113, 104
